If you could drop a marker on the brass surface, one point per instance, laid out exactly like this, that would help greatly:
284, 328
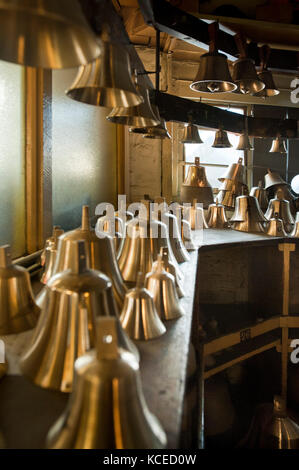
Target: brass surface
187, 235
176, 242
221, 140
191, 135
101, 254
72, 300
197, 217
275, 227
170, 268
217, 216
51, 34
162, 286
106, 81
157, 132
18, 310
248, 216
245, 76
139, 317
3, 369
281, 206
50, 253
244, 143
196, 175
115, 228
272, 179
278, 146
235, 172
196, 186
213, 74
270, 88
107, 409
295, 231
261, 194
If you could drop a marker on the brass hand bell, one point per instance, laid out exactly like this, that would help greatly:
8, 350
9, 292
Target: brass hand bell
18, 310
107, 409
170, 268
176, 242
217, 216
50, 255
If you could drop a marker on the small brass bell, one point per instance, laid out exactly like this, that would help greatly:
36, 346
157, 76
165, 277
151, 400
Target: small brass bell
196, 186
101, 254
295, 231
170, 268
65, 330
191, 135
162, 285
197, 216
272, 179
176, 242
281, 206
276, 228
49, 242
244, 143
248, 216
217, 216
107, 409
186, 235
265, 75
278, 146
106, 81
221, 140
157, 132
115, 228
261, 194
18, 310
234, 173
139, 317
50, 255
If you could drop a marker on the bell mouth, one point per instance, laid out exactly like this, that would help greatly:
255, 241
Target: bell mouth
213, 86
99, 96
250, 87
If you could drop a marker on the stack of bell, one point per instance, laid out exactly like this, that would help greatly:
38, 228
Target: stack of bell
273, 182
50, 253
107, 409
233, 185
248, 216
196, 186
281, 206
261, 194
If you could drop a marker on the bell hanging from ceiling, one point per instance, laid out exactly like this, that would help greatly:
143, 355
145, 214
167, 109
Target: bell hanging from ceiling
139, 317
261, 194
50, 255
213, 74
280, 206
162, 286
143, 115
65, 331
275, 227
106, 81
52, 34
244, 143
295, 231
18, 310
196, 186
217, 216
248, 216
101, 255
107, 408
244, 72
157, 132
221, 140
170, 268
278, 146
191, 135
265, 75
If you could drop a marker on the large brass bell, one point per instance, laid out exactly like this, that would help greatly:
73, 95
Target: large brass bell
107, 409
235, 173
280, 206
217, 216
295, 231
191, 135
50, 255
18, 310
275, 227
50, 34
221, 140
261, 194
101, 254
170, 268
106, 81
196, 186
248, 216
245, 76
162, 286
65, 330
157, 132
278, 146
139, 317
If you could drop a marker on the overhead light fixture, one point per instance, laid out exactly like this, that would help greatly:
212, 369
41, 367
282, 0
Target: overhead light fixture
278, 146
47, 34
213, 74
265, 75
191, 135
244, 73
221, 140
106, 81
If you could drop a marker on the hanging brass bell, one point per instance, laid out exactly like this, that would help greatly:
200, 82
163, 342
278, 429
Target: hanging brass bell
170, 268
196, 186
281, 206
270, 88
213, 74
221, 140
295, 231
142, 115
272, 179
52, 34
244, 143
278, 146
18, 310
162, 286
235, 172
217, 216
50, 255
191, 135
245, 76
139, 317
106, 81
101, 254
107, 409
275, 227
157, 132
261, 194
65, 330
248, 216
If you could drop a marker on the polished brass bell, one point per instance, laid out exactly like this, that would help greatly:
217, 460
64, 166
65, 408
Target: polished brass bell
245, 76
280, 206
186, 235
49, 242
213, 74
115, 227
107, 408
248, 216
234, 173
244, 143
139, 317
196, 216
101, 254
191, 135
18, 310
51, 34
217, 216
65, 331
261, 194
270, 88
157, 132
221, 140
50, 255
275, 227
273, 179
171, 269
107, 81
295, 231
176, 242
162, 286
196, 186
278, 146
142, 115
